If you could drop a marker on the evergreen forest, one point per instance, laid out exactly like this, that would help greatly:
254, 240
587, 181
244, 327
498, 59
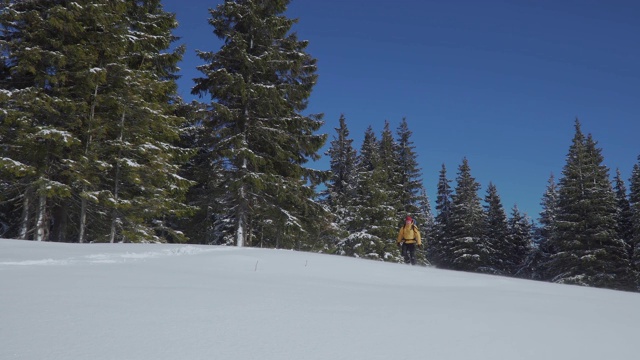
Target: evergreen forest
98, 146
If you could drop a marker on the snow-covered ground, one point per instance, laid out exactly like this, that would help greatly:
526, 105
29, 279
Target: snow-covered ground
142, 301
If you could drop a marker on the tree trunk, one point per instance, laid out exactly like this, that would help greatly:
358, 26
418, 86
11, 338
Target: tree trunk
83, 200
24, 219
116, 189
83, 219
41, 218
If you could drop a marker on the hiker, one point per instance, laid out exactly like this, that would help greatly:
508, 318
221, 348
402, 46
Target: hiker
408, 239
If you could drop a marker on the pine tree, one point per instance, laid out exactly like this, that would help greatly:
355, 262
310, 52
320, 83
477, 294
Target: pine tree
442, 226
496, 233
145, 160
373, 226
408, 172
387, 178
624, 214
38, 112
519, 244
587, 249
410, 195
340, 193
259, 83
342, 155
204, 226
634, 200
90, 92
542, 247
466, 245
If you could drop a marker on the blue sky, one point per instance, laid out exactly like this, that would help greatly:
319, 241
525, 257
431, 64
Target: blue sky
498, 82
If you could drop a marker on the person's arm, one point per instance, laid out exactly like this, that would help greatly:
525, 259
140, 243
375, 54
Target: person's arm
400, 235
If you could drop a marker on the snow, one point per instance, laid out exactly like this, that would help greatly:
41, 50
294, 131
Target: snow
151, 301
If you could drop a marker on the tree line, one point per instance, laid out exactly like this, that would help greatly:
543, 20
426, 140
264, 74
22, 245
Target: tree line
97, 146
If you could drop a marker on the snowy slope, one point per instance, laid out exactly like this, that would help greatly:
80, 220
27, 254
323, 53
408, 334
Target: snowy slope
136, 301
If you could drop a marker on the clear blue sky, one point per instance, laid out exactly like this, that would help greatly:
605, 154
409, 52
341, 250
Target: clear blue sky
499, 82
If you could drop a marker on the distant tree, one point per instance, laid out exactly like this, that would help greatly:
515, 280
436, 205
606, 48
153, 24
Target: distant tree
586, 247
634, 200
519, 244
409, 175
542, 248
259, 83
426, 220
441, 233
390, 178
496, 233
466, 245
624, 214
372, 229
341, 186
412, 196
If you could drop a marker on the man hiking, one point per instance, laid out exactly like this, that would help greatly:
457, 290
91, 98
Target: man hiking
408, 238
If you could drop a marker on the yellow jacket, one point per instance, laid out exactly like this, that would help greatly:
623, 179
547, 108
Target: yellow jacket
410, 235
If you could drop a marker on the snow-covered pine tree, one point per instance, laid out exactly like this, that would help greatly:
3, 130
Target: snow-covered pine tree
624, 214
412, 194
81, 76
542, 249
370, 230
259, 82
496, 234
466, 245
37, 125
519, 244
204, 226
587, 248
436, 249
634, 200
145, 158
390, 175
427, 223
341, 187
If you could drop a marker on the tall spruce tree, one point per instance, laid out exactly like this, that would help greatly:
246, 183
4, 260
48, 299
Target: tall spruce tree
634, 200
519, 244
587, 248
259, 82
370, 231
413, 199
496, 233
624, 214
90, 89
442, 225
145, 158
542, 247
466, 244
341, 188
340, 191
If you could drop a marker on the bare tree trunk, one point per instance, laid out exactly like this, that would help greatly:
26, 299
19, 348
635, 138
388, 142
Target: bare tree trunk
83, 218
240, 233
41, 222
83, 201
24, 219
114, 213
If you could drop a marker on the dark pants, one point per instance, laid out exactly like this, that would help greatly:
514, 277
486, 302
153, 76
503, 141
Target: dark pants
409, 253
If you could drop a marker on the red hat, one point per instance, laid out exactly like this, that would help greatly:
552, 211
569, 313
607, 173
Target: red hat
408, 218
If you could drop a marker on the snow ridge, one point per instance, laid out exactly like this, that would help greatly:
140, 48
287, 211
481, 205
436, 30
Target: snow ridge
112, 258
